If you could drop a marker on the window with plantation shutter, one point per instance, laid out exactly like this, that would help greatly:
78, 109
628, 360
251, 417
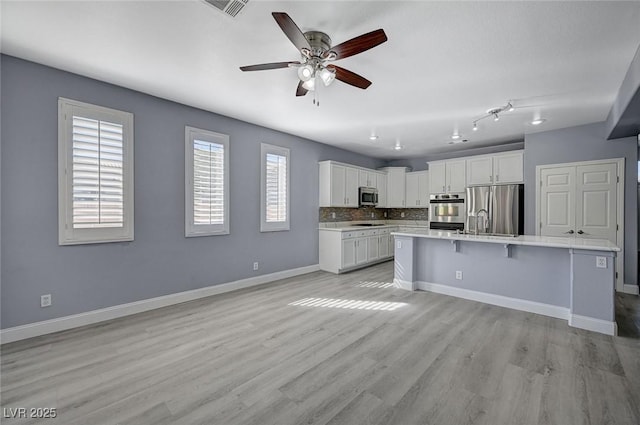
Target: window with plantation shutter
207, 183
95, 155
275, 188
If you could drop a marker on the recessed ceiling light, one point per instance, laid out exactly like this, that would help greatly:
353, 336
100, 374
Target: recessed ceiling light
455, 136
538, 121
373, 137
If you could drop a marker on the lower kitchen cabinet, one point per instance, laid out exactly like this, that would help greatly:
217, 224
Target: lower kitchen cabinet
344, 250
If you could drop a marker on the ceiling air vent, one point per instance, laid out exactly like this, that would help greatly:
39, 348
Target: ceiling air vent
229, 7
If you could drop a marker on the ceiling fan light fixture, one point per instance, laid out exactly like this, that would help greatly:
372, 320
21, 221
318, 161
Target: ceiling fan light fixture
305, 72
327, 76
310, 84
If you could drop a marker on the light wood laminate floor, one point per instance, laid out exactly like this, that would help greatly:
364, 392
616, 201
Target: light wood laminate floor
250, 357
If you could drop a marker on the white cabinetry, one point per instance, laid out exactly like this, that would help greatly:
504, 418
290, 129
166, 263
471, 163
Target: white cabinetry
508, 168
417, 189
349, 249
381, 185
338, 185
495, 169
367, 178
447, 176
395, 186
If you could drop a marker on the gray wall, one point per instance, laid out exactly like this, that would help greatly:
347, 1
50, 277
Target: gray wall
160, 260
586, 143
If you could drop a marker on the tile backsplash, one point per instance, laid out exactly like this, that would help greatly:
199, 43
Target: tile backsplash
370, 213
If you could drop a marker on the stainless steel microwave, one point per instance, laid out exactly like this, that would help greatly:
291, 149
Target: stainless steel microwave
367, 196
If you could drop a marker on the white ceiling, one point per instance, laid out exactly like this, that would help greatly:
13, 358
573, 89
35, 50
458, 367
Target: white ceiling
444, 65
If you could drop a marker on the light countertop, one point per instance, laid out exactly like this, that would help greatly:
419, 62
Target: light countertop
532, 240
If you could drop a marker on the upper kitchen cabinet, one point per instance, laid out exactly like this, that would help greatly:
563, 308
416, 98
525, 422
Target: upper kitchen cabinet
396, 184
338, 185
447, 176
495, 169
508, 167
367, 178
417, 189
381, 185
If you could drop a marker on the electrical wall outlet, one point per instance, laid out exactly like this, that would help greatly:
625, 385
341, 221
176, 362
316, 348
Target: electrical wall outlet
398, 244
601, 262
373, 215
333, 215
385, 214
402, 214
458, 274
256, 266
45, 300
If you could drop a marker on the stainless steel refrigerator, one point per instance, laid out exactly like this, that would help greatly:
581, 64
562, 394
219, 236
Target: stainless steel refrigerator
497, 209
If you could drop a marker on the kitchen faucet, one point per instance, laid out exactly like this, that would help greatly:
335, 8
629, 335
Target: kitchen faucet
486, 213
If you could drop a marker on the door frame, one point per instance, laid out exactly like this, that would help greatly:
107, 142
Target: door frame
620, 163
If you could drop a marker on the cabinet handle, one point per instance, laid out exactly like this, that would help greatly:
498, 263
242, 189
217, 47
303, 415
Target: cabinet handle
497, 178
449, 188
491, 179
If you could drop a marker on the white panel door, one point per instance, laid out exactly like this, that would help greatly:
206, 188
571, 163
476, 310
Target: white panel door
557, 203
338, 196
480, 170
596, 194
348, 253
508, 168
437, 177
456, 175
351, 187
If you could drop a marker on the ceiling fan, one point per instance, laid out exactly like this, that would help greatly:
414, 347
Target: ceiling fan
318, 54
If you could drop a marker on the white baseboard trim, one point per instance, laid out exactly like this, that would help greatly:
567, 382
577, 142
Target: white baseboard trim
595, 325
630, 289
499, 300
404, 284
30, 330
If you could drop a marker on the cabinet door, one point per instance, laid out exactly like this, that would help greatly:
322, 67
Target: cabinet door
396, 189
383, 246
348, 253
480, 170
423, 189
381, 185
412, 190
373, 253
351, 187
361, 250
508, 168
338, 195
437, 177
456, 172
391, 247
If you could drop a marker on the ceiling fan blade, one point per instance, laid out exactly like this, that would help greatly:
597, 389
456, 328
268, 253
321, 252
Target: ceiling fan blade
265, 66
301, 91
291, 30
359, 44
350, 77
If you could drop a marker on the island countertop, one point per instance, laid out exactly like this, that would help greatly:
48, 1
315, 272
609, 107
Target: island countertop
531, 240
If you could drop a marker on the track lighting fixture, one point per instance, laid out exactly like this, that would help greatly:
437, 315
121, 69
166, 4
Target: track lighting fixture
494, 112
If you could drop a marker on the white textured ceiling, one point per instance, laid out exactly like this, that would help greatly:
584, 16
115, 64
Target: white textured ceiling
444, 65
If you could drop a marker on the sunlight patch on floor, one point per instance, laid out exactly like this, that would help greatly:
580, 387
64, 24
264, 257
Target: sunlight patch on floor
349, 304
365, 284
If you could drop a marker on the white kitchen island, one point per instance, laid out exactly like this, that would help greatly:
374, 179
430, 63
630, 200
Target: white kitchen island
567, 278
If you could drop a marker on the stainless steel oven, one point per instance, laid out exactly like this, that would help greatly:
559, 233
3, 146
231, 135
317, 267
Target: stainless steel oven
447, 211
